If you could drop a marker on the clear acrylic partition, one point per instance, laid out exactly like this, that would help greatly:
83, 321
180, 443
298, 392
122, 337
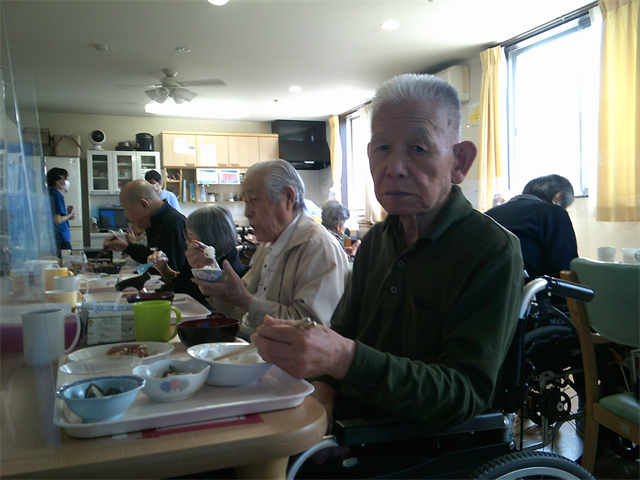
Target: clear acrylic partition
26, 243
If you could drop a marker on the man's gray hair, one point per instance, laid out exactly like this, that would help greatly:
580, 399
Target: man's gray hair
213, 225
334, 213
279, 174
547, 186
422, 89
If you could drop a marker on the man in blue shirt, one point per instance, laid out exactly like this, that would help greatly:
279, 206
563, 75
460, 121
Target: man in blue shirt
155, 179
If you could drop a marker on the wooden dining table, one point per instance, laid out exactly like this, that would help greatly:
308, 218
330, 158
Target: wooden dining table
33, 447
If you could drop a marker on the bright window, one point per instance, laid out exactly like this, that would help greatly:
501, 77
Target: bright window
553, 109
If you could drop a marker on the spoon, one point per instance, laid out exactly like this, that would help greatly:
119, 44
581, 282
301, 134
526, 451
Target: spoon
305, 324
146, 266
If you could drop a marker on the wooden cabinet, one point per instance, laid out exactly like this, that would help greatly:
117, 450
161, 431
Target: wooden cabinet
212, 150
243, 151
232, 150
269, 148
179, 150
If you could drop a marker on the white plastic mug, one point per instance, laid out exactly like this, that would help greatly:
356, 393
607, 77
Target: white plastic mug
70, 284
606, 254
43, 336
631, 255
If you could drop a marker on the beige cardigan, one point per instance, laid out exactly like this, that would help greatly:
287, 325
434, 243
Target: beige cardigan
308, 281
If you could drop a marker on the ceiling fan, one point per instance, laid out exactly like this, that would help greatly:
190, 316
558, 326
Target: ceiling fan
169, 86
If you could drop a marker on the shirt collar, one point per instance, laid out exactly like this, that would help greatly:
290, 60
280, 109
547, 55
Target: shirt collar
279, 245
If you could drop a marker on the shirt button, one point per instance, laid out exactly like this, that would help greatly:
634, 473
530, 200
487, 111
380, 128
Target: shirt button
400, 263
394, 289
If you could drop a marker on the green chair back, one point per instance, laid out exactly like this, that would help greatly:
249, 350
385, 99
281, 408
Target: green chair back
614, 311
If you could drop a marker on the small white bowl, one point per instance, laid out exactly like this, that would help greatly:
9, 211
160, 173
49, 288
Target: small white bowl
173, 388
156, 350
96, 367
243, 369
208, 274
103, 409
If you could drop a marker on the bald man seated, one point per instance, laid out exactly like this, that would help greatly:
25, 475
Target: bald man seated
164, 225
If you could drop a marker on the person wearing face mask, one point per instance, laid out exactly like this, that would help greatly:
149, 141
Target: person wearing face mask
155, 179
58, 183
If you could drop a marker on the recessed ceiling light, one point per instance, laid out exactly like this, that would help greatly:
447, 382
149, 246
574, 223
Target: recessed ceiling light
218, 3
183, 49
389, 25
101, 47
295, 89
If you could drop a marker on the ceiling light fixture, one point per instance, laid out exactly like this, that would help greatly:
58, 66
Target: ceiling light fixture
179, 94
218, 3
389, 25
295, 89
183, 49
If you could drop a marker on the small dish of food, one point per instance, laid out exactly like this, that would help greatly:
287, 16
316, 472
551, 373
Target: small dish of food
100, 399
172, 380
208, 274
149, 352
243, 369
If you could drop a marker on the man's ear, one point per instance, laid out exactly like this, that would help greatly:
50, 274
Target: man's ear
289, 196
145, 203
465, 153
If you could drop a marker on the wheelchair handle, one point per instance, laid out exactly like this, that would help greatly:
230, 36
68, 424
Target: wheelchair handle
569, 289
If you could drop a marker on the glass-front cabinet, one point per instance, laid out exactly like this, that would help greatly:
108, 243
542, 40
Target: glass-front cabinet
109, 171
148, 161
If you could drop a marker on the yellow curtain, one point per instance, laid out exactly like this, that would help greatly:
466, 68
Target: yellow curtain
335, 148
618, 194
492, 171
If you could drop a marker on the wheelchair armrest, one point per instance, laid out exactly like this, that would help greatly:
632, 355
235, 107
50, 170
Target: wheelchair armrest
387, 429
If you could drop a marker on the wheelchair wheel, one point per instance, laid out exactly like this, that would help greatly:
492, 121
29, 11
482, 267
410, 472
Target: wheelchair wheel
624, 448
522, 465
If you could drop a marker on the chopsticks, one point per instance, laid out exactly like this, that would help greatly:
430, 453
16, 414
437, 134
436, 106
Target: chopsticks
305, 324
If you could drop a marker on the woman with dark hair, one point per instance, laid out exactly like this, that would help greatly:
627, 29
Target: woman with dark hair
539, 219
58, 183
212, 225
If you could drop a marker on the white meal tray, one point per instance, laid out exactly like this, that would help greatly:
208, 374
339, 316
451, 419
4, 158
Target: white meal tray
275, 391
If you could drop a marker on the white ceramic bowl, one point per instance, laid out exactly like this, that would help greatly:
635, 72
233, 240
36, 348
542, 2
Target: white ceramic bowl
243, 369
96, 367
157, 351
208, 274
173, 388
103, 409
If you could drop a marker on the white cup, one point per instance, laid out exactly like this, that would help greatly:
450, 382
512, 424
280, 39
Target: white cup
70, 284
43, 336
631, 255
606, 254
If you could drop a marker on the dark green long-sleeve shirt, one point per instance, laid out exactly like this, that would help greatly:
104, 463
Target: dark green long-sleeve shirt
432, 322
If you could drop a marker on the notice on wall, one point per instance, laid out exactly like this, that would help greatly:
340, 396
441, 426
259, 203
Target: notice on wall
208, 155
183, 146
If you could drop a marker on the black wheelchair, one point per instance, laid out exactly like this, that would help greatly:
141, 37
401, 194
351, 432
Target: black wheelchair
484, 447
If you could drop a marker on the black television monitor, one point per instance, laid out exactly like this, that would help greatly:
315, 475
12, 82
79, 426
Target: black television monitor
112, 218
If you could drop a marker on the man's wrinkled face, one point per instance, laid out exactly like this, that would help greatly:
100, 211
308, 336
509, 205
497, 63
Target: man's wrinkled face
136, 213
267, 220
411, 158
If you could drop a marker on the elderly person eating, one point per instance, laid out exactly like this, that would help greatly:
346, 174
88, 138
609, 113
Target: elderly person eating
432, 304
298, 269
334, 216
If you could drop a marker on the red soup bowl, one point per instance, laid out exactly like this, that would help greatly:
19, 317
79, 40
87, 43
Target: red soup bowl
212, 329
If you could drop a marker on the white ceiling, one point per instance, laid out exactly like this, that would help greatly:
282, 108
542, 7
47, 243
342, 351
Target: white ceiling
333, 49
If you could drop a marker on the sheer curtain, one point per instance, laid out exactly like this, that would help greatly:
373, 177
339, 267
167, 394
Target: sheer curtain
335, 148
619, 121
492, 171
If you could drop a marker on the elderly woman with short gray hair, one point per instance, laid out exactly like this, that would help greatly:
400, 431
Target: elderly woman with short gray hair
334, 216
298, 269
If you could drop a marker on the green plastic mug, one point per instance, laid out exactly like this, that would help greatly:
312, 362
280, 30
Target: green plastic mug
152, 321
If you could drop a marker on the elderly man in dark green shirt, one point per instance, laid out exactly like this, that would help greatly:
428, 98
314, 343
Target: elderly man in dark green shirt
431, 307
